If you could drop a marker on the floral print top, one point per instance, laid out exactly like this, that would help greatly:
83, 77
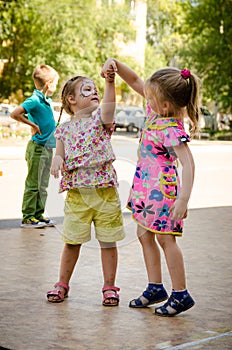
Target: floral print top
88, 153
156, 183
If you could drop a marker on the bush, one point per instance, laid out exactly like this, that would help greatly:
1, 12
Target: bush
222, 135
16, 132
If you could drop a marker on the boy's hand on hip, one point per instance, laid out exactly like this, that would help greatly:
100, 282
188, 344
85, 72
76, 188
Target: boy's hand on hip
35, 130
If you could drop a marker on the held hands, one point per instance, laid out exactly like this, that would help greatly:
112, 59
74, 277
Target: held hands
110, 77
179, 210
108, 70
58, 165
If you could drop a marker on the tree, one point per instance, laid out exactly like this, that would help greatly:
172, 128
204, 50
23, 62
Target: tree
197, 35
164, 36
75, 38
208, 47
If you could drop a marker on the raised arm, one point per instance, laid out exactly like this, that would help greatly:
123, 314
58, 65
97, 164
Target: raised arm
109, 101
126, 73
18, 114
185, 156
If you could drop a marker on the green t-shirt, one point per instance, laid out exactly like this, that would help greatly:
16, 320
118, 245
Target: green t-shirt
39, 111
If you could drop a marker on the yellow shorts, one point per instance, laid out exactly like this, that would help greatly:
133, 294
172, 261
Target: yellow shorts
100, 206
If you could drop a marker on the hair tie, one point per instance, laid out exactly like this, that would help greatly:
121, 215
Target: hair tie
185, 73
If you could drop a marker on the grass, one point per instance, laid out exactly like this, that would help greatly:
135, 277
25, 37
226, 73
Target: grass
222, 135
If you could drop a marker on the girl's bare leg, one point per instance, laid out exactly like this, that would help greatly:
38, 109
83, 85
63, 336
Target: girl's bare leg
155, 291
109, 257
69, 258
180, 299
174, 259
151, 255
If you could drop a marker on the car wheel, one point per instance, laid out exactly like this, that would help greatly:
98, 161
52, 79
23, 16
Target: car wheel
130, 128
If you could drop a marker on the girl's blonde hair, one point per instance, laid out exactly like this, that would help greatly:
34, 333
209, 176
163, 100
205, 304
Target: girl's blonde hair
69, 89
42, 74
180, 88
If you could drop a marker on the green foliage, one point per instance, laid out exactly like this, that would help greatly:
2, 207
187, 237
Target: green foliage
74, 37
208, 48
164, 21
197, 35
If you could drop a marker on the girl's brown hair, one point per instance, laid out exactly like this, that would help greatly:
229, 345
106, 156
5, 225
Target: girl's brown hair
68, 89
180, 90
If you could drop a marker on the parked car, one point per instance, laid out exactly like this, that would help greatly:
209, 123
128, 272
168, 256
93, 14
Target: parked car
131, 118
6, 109
5, 119
205, 119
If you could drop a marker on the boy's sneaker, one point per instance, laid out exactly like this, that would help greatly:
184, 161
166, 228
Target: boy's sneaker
32, 223
48, 222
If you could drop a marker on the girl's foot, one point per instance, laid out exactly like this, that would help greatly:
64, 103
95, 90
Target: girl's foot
155, 293
110, 296
59, 294
174, 306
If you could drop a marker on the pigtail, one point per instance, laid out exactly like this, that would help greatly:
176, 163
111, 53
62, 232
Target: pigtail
193, 104
61, 111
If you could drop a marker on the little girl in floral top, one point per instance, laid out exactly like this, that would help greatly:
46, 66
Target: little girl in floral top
84, 156
157, 200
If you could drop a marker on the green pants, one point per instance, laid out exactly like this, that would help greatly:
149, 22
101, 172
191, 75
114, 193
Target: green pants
39, 160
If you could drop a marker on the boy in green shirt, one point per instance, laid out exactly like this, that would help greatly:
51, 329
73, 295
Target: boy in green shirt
39, 149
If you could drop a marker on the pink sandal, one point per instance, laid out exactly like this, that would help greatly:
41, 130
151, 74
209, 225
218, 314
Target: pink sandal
112, 295
58, 293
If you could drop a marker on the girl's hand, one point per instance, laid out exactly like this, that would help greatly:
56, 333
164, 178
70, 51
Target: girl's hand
179, 210
109, 128
110, 76
109, 67
58, 165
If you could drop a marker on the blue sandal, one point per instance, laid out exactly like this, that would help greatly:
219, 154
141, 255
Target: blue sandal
149, 297
174, 307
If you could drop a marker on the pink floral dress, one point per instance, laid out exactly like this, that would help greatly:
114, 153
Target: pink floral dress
156, 183
88, 154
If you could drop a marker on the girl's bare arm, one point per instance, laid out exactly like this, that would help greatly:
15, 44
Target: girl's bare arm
126, 73
18, 114
58, 164
109, 102
184, 154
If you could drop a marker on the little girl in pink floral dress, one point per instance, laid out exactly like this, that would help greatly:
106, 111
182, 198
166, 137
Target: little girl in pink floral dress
158, 200
156, 182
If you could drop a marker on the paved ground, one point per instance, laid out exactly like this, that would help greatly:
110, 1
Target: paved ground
213, 169
30, 264
29, 267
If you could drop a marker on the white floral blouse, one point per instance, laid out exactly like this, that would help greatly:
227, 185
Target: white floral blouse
88, 153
